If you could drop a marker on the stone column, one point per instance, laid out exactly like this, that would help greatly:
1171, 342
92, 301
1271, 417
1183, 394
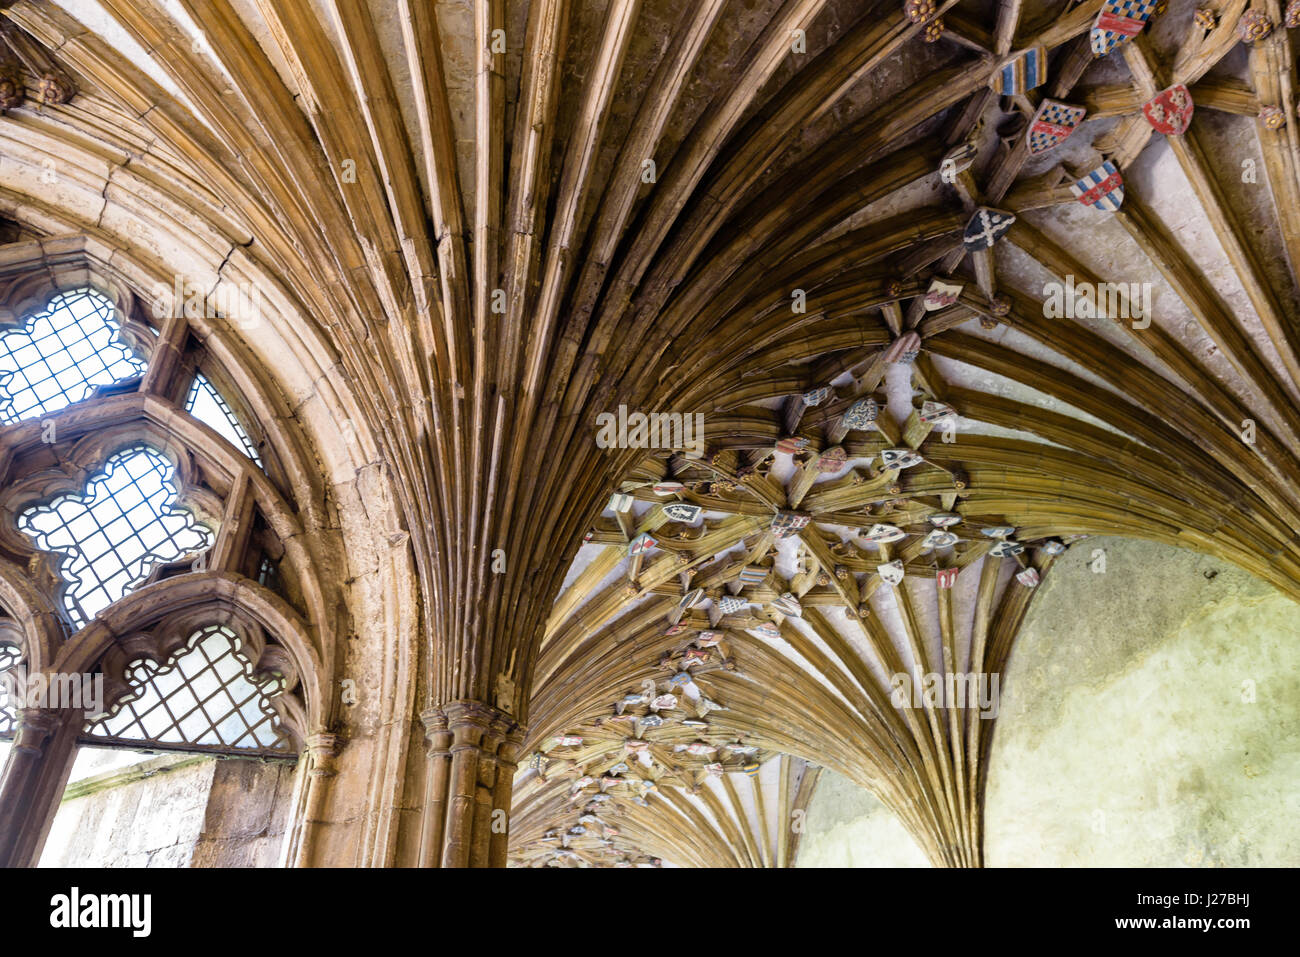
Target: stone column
33, 780
473, 751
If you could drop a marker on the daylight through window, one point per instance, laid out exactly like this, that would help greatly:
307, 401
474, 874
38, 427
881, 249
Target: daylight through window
60, 354
114, 532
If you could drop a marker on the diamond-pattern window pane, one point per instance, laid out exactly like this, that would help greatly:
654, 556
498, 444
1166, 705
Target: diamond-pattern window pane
205, 403
106, 556
8, 720
207, 697
59, 355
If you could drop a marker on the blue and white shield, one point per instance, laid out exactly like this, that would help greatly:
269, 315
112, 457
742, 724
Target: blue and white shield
814, 397
861, 414
986, 228
682, 512
1023, 71
730, 604
1118, 22
1103, 188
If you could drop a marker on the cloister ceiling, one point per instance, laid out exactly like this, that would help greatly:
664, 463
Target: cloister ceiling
504, 218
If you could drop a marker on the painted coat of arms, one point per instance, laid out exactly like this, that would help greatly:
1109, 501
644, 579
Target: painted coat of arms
1118, 22
861, 414
1052, 124
1170, 111
1103, 188
1023, 71
787, 524
986, 227
941, 295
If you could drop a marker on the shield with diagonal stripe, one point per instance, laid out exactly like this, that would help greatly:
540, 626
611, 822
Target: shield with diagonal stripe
986, 227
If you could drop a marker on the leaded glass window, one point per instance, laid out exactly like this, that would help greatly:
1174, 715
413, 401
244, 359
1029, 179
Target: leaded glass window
58, 356
114, 532
8, 658
206, 404
206, 697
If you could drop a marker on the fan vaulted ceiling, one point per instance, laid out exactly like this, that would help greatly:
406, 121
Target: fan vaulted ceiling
502, 219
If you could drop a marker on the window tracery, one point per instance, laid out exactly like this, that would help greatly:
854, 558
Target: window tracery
207, 695
113, 533
60, 354
9, 656
118, 495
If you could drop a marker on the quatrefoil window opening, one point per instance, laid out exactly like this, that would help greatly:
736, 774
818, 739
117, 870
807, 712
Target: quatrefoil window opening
115, 531
59, 355
9, 656
206, 696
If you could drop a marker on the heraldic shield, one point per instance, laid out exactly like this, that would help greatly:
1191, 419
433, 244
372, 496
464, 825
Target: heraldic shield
1103, 188
1170, 111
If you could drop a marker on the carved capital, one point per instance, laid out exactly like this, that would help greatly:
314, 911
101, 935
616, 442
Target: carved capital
323, 747
461, 725
35, 727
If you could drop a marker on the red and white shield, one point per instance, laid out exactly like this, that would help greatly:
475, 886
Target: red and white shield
946, 577
1029, 577
1170, 111
904, 349
941, 295
791, 445
832, 460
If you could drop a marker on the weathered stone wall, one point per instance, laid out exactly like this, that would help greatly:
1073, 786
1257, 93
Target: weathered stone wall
248, 809
174, 811
1149, 717
847, 827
